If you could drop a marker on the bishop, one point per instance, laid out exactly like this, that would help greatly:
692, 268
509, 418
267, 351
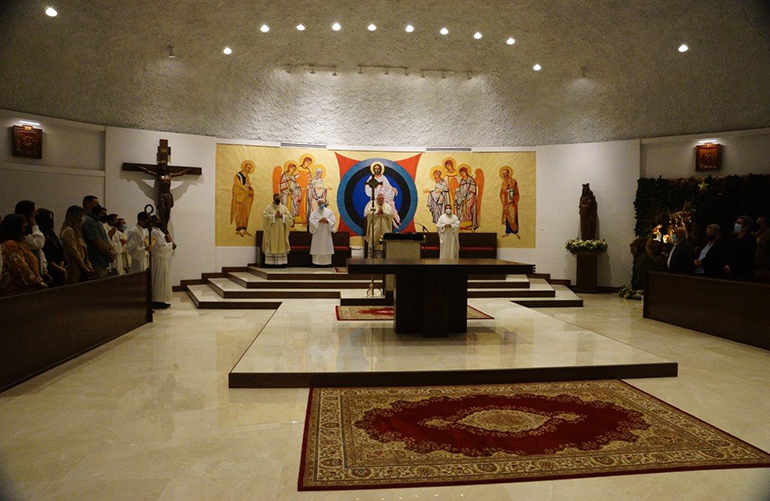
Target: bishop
276, 224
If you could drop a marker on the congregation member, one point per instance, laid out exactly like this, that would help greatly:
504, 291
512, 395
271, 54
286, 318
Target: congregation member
136, 243
74, 246
448, 228
99, 248
20, 272
681, 259
162, 248
118, 241
33, 238
321, 225
762, 255
741, 250
712, 258
653, 259
379, 220
52, 250
276, 223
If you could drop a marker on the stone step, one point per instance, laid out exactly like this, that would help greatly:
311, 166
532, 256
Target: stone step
249, 281
563, 298
205, 298
304, 274
228, 289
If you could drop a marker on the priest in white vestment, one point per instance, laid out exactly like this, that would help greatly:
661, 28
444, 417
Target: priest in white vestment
161, 250
379, 220
322, 224
448, 227
276, 225
136, 243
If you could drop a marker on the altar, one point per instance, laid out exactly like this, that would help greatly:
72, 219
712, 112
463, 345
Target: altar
431, 295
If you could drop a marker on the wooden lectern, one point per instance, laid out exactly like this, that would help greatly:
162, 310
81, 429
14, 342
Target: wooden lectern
400, 246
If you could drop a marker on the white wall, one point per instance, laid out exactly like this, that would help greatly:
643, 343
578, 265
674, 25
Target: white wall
192, 218
72, 165
743, 152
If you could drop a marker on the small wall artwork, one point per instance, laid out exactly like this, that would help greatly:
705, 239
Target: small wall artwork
27, 142
707, 157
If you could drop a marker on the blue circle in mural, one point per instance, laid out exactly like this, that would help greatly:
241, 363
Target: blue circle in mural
352, 197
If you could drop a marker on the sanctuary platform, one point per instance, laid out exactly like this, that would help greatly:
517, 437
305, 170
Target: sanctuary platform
304, 345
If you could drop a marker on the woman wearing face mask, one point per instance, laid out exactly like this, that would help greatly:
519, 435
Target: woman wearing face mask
712, 258
740, 257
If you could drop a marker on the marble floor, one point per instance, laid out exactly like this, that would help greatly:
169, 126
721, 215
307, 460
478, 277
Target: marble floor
150, 416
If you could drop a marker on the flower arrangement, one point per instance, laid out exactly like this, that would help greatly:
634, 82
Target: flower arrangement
627, 292
577, 245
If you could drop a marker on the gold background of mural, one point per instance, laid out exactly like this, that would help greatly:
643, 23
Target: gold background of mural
266, 177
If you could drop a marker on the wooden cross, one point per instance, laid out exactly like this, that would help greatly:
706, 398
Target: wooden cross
164, 152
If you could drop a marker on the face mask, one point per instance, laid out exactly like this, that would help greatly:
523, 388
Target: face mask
448, 212
738, 228
321, 207
276, 201
674, 238
123, 227
711, 238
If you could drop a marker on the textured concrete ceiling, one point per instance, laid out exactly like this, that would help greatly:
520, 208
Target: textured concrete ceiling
611, 69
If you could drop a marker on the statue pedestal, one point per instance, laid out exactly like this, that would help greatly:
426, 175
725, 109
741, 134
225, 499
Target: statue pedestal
587, 264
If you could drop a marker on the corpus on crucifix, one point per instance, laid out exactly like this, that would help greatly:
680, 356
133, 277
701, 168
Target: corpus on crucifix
163, 174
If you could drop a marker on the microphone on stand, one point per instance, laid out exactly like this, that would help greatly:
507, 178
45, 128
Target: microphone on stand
424, 229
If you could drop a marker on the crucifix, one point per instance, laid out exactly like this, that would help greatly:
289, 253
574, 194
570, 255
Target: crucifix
373, 184
163, 173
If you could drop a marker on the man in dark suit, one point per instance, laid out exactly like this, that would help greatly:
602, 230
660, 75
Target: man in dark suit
713, 257
682, 256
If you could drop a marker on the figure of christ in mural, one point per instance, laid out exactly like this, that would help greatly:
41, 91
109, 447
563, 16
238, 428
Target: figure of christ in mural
291, 193
467, 200
438, 198
243, 199
509, 197
379, 220
385, 189
316, 190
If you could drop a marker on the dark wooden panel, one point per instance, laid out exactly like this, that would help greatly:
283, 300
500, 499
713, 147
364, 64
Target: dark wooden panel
464, 266
43, 329
729, 309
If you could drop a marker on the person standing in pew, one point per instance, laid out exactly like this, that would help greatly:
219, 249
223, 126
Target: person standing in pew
762, 255
74, 247
99, 248
137, 240
20, 271
713, 257
740, 257
682, 256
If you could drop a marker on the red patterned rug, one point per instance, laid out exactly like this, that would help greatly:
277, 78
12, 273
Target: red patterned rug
361, 438
369, 313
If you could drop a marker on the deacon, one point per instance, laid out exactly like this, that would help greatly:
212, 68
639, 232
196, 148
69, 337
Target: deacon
321, 225
379, 220
136, 243
276, 224
161, 251
448, 227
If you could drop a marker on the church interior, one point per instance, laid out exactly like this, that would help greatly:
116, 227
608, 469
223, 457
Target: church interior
385, 250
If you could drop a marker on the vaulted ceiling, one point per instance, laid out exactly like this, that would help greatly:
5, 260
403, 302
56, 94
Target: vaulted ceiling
611, 69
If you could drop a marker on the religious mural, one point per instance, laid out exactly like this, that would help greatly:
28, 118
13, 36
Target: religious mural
416, 186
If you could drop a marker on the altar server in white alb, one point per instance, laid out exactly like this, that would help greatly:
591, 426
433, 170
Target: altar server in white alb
136, 243
448, 227
322, 224
276, 224
161, 250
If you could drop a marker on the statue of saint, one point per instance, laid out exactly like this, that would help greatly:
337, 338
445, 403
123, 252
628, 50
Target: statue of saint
588, 214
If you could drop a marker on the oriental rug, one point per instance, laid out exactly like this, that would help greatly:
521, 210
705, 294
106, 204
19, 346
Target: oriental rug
369, 313
359, 438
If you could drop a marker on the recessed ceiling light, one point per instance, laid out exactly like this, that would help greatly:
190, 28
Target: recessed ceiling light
228, 51
371, 27
51, 12
264, 28
301, 27
537, 67
444, 31
336, 26
683, 48
510, 41
409, 28
477, 35
171, 54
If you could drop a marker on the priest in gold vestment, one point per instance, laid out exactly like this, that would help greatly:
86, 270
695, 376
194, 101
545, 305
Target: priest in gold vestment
379, 220
276, 224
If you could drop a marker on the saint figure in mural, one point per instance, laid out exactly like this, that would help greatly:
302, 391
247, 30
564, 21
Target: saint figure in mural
385, 189
290, 192
277, 222
379, 220
448, 228
243, 199
316, 190
467, 198
438, 198
509, 197
449, 166
303, 177
321, 224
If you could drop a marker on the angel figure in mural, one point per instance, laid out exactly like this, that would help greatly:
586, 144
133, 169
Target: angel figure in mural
316, 190
468, 198
449, 166
290, 191
243, 199
386, 189
303, 178
438, 197
509, 197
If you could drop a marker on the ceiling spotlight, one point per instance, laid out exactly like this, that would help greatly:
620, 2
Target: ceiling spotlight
371, 27
422, 73
336, 26
409, 28
334, 73
51, 12
537, 67
360, 70
171, 54
477, 35
312, 70
264, 28
469, 75
228, 51
387, 72
443, 74
444, 31
683, 48
510, 41
301, 27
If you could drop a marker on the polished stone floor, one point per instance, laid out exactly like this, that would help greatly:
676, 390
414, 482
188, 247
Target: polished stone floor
149, 416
